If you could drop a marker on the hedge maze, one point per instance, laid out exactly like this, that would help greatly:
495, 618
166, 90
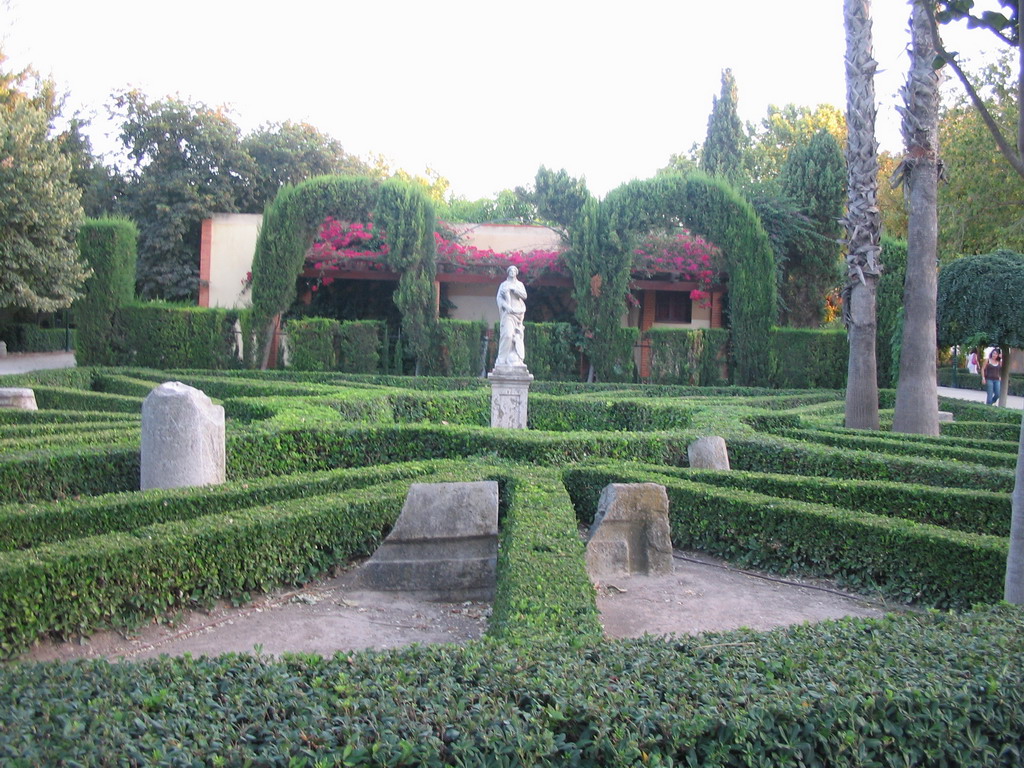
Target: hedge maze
318, 468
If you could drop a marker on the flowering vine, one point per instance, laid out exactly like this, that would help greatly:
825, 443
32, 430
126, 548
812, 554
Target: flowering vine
683, 255
460, 257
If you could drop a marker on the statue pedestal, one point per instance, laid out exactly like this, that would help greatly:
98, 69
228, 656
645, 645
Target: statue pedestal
510, 388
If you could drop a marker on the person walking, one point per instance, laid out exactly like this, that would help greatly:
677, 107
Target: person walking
972, 362
990, 376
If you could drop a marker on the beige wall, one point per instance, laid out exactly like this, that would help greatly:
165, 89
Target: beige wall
505, 238
232, 243
475, 301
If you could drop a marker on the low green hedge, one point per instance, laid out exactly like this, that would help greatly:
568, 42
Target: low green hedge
24, 526
970, 510
892, 443
68, 473
313, 343
924, 690
691, 357
543, 587
119, 579
774, 454
904, 560
811, 358
26, 337
67, 399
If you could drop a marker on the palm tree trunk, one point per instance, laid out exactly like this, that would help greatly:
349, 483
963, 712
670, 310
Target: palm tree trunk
862, 220
917, 403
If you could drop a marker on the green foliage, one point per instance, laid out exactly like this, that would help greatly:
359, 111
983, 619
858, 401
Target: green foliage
722, 155
188, 164
934, 689
360, 343
974, 299
160, 335
553, 350
289, 153
814, 176
980, 200
902, 559
455, 349
313, 344
889, 310
684, 356
785, 128
543, 588
600, 271
40, 212
558, 198
108, 246
809, 359
23, 337
713, 210
291, 222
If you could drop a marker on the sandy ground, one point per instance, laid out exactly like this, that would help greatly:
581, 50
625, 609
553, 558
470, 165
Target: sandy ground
330, 615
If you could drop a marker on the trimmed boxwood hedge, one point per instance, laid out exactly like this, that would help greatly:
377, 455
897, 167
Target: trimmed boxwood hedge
904, 560
926, 690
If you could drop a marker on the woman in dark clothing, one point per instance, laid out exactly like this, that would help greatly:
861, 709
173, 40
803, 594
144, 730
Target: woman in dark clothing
990, 376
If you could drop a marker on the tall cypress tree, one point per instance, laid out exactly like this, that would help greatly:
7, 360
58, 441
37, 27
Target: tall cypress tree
723, 147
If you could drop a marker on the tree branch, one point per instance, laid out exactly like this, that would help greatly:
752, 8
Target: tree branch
1015, 159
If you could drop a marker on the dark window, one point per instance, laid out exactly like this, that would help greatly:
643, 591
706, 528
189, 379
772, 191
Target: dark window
672, 307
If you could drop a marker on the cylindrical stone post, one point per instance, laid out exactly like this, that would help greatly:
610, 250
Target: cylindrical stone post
182, 438
708, 453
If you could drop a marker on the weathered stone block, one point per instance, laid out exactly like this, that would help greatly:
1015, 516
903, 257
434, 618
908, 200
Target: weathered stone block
182, 438
18, 398
444, 545
630, 534
708, 453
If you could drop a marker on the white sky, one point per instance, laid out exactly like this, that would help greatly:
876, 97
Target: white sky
482, 92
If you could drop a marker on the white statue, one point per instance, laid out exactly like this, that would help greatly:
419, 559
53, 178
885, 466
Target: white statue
512, 308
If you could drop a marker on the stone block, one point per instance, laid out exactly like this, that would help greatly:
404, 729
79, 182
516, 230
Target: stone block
708, 453
945, 416
18, 398
444, 545
182, 438
630, 534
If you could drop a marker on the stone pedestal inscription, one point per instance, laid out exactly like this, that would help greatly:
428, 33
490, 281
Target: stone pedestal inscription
18, 398
444, 545
630, 534
510, 389
708, 453
182, 438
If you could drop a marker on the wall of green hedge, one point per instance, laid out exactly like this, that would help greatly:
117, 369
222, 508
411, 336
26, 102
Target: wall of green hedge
691, 357
108, 246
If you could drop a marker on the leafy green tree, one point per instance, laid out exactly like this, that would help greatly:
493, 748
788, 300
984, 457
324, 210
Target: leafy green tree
814, 176
289, 153
187, 163
724, 145
862, 220
916, 409
558, 198
507, 207
40, 208
1007, 29
785, 128
981, 200
100, 185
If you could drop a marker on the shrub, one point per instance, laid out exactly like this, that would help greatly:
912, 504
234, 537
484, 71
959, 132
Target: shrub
553, 352
313, 344
809, 358
692, 357
109, 248
161, 335
360, 344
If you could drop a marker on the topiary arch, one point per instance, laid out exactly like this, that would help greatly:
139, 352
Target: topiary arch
712, 209
290, 225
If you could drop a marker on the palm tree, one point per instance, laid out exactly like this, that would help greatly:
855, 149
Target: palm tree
862, 220
917, 408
